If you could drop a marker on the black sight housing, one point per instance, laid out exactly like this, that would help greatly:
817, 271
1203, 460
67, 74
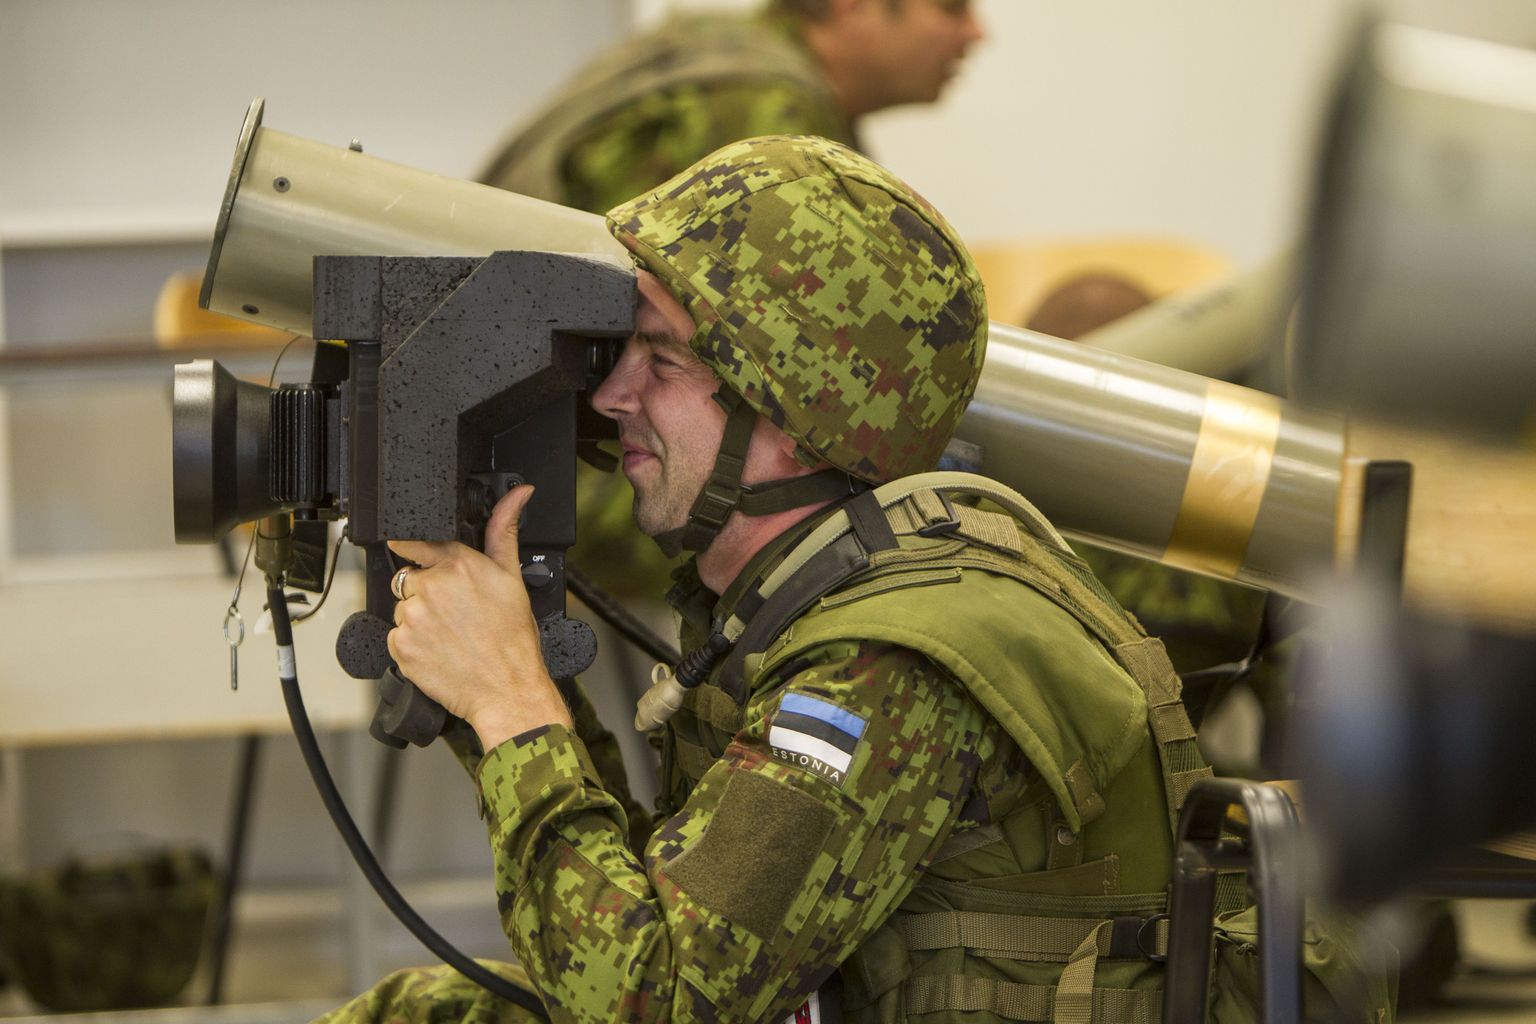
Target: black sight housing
446, 381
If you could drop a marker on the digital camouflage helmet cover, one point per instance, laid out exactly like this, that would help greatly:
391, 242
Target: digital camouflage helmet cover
826, 292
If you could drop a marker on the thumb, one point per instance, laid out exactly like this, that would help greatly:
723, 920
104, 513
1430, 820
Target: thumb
501, 530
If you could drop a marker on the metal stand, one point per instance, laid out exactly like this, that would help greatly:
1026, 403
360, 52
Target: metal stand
1268, 848
387, 786
234, 853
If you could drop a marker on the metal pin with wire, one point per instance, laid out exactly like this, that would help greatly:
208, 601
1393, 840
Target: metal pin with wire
234, 639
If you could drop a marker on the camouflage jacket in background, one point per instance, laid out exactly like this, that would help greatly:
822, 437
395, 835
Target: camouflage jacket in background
652, 106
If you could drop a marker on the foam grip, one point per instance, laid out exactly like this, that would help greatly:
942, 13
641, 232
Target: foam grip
362, 647
405, 714
569, 646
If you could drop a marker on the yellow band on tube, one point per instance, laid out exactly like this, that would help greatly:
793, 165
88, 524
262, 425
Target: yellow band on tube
1227, 477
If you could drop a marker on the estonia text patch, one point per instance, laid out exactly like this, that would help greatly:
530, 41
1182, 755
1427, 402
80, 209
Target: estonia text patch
816, 735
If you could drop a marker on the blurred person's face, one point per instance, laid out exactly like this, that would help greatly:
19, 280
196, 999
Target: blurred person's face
916, 47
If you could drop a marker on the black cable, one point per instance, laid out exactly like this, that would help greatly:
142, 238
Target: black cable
621, 619
282, 629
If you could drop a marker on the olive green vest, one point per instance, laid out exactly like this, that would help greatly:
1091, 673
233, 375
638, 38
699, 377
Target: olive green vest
1087, 696
693, 50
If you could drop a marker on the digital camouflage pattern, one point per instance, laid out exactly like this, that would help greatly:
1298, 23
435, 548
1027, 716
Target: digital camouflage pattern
769, 876
435, 995
827, 293
662, 134
727, 915
602, 747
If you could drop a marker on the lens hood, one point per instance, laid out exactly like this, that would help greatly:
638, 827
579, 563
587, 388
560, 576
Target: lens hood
220, 470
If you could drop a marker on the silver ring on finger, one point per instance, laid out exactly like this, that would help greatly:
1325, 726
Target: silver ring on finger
397, 584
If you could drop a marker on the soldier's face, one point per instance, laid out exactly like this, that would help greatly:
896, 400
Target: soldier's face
919, 46
669, 426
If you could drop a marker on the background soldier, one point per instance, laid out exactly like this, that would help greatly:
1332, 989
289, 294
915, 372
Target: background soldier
646, 110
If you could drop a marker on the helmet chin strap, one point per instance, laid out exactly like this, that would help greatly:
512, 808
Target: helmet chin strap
724, 493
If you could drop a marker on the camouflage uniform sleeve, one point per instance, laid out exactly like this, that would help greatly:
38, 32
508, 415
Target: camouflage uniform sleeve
799, 841
637, 148
602, 747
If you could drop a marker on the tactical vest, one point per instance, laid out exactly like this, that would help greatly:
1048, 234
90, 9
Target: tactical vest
1087, 696
696, 50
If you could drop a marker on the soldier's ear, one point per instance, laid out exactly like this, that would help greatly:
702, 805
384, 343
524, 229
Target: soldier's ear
784, 455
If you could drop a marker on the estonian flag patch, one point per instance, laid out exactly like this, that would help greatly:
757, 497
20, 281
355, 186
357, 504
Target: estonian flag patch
816, 735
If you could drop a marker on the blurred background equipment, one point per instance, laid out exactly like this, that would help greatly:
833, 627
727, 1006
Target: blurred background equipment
108, 932
1419, 267
181, 323
1169, 301
1419, 310
1026, 278
1176, 303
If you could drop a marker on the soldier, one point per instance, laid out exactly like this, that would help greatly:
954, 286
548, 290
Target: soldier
648, 109
923, 763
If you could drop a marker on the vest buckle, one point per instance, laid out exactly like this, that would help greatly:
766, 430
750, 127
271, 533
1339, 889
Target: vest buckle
943, 527
1146, 939
1137, 938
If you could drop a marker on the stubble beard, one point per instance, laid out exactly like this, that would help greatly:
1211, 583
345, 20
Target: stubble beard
660, 504
653, 512
666, 488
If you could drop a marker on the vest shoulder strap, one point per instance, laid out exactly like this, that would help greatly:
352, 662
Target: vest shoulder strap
848, 554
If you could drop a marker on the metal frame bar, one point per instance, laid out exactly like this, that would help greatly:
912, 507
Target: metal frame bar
1270, 851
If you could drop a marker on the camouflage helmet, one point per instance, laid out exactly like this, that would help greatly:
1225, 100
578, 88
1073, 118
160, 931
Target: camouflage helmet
830, 296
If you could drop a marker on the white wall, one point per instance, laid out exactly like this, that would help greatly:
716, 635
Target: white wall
1184, 117
1190, 118
129, 110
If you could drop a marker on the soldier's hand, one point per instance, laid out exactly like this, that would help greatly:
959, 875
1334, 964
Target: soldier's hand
465, 633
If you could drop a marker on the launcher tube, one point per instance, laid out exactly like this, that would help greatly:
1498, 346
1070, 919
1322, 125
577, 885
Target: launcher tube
290, 199
1161, 463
